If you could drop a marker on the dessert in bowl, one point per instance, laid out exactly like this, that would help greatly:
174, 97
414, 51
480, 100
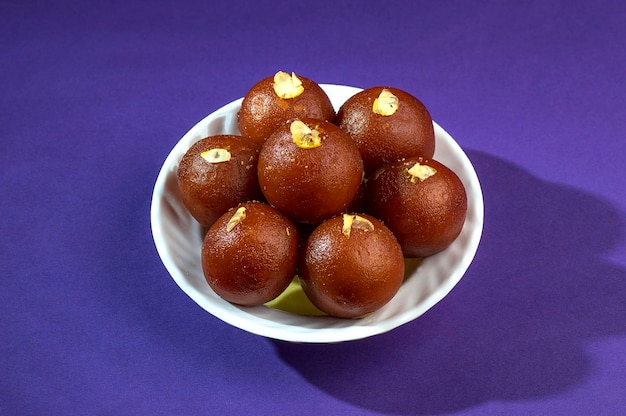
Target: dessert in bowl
178, 238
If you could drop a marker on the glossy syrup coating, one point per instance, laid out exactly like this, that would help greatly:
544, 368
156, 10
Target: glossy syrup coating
427, 215
209, 186
250, 258
351, 275
310, 184
263, 111
384, 139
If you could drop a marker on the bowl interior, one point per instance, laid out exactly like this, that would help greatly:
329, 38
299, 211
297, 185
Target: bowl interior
178, 238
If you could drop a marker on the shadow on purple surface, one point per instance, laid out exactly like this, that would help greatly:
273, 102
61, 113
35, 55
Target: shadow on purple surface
515, 327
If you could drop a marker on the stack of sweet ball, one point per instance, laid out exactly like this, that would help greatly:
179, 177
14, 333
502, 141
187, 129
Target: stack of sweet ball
337, 199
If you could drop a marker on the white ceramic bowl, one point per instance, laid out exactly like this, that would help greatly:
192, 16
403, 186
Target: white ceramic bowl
178, 238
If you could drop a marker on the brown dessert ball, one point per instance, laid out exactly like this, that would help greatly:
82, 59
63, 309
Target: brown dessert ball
351, 265
310, 170
387, 127
263, 110
250, 254
422, 201
217, 173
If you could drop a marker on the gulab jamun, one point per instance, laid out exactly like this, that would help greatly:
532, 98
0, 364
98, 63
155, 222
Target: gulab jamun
422, 201
351, 265
217, 173
387, 124
310, 170
250, 254
278, 98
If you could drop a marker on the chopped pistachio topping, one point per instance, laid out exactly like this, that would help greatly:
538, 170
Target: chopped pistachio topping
386, 104
421, 172
237, 217
287, 86
216, 155
303, 136
351, 221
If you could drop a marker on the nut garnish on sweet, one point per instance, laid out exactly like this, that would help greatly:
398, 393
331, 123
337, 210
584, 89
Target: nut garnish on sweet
386, 104
237, 217
216, 155
287, 86
351, 221
421, 172
303, 136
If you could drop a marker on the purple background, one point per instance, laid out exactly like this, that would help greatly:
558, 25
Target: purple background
95, 94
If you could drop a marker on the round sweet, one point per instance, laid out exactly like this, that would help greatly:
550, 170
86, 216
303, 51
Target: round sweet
387, 127
263, 110
217, 173
351, 265
422, 201
307, 181
250, 254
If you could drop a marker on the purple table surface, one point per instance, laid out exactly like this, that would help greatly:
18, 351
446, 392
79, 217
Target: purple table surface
95, 94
